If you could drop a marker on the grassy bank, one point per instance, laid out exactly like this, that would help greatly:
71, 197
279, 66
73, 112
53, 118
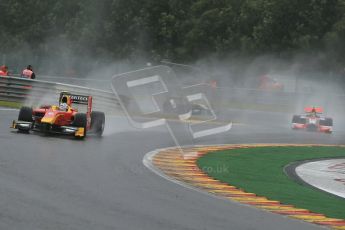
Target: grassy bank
10, 104
261, 171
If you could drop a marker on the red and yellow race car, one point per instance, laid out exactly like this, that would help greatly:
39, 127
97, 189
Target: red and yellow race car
313, 121
73, 116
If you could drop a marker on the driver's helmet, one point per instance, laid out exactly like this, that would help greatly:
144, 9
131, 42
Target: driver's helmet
63, 106
65, 102
313, 112
66, 99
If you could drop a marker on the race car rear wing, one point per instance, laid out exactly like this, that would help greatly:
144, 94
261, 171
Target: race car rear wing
78, 101
313, 109
75, 98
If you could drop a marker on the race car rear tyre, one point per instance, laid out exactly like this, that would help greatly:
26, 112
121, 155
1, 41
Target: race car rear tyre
97, 122
327, 122
295, 119
298, 119
80, 120
25, 114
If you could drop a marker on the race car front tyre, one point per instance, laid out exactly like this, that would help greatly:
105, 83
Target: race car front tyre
25, 114
97, 122
80, 120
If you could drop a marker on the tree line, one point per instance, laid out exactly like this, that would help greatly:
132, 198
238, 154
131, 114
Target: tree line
181, 31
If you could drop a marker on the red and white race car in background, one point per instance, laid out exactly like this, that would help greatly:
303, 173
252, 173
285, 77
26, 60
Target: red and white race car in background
268, 83
313, 121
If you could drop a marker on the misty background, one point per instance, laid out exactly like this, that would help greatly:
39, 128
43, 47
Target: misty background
231, 41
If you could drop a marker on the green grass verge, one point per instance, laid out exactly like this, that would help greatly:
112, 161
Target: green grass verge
260, 171
10, 104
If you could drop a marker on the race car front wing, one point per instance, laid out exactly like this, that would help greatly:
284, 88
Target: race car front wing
67, 130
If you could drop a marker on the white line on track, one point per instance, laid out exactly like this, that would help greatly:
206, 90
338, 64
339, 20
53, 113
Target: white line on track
147, 161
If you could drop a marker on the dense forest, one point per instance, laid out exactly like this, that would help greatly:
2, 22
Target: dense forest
177, 30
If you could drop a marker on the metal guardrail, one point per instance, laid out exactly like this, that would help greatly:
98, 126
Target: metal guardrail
36, 92
16, 89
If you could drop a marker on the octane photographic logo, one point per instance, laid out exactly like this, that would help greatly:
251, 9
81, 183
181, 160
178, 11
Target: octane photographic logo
152, 97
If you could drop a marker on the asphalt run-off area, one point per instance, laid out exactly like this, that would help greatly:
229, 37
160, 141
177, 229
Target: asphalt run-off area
326, 175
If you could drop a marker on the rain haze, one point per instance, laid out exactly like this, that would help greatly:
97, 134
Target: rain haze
143, 82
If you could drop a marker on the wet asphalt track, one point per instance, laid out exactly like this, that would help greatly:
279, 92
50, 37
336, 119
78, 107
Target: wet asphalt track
60, 183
